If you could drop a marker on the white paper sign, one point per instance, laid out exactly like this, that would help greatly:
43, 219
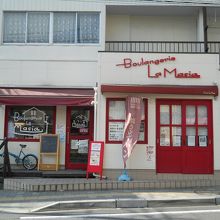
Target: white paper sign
116, 130
95, 158
95, 154
191, 140
60, 130
96, 147
150, 153
83, 146
176, 140
74, 144
203, 141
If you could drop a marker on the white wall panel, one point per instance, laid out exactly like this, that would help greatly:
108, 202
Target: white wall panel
214, 34
72, 73
112, 157
163, 28
214, 29
118, 27
150, 28
56, 53
48, 73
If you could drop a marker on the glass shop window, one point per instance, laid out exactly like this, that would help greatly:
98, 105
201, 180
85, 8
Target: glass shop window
116, 117
27, 122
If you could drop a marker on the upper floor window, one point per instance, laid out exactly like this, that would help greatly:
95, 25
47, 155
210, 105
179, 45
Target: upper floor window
22, 27
88, 28
48, 27
64, 27
38, 24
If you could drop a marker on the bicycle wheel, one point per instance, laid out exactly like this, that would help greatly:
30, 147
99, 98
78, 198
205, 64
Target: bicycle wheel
30, 162
1, 161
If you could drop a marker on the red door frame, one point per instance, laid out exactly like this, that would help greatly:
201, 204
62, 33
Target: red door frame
68, 163
184, 159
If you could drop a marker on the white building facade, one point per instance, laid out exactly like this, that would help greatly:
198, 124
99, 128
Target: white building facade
67, 67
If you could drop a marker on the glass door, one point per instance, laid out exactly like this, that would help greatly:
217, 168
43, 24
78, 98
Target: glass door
169, 137
184, 136
79, 134
198, 147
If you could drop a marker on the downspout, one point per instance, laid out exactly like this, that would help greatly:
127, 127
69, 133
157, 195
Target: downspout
205, 28
95, 112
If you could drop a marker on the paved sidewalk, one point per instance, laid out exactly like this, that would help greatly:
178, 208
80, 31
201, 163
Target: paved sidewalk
26, 202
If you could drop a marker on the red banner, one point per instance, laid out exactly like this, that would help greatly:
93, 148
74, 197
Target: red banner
132, 126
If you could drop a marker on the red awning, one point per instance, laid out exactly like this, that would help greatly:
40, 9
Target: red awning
46, 96
162, 89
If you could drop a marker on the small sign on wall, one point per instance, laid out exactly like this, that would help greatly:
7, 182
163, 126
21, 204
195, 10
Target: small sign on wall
150, 153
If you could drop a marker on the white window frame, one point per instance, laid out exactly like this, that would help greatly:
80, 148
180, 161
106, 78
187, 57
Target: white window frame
51, 16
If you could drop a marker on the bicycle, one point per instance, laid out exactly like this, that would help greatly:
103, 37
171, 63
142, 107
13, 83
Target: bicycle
29, 161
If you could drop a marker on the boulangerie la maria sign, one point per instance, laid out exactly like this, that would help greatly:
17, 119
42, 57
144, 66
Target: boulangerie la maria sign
132, 126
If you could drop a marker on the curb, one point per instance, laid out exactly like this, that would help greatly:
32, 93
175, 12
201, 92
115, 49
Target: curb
127, 203
76, 204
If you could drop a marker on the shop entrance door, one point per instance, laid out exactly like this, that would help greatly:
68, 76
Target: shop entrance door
79, 134
184, 137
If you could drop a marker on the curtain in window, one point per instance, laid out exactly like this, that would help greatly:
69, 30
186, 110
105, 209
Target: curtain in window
38, 27
88, 27
64, 27
14, 27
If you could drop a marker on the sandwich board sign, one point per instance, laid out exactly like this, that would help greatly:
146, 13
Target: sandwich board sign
95, 158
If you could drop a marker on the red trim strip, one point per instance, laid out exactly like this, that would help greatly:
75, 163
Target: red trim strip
162, 89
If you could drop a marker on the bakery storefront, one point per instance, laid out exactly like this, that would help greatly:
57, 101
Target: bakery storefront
31, 112
180, 98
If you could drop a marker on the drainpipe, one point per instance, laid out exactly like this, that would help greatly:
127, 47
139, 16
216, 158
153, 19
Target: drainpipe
205, 28
95, 112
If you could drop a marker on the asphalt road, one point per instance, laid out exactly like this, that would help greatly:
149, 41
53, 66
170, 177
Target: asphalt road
183, 213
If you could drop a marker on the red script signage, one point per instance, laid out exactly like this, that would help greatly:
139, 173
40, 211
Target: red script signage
129, 63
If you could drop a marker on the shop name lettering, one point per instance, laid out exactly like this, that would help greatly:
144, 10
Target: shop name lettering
23, 124
17, 117
29, 129
129, 63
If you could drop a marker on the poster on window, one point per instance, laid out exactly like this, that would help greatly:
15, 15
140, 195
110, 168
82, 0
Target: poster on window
164, 136
74, 144
176, 140
164, 142
79, 120
116, 130
60, 130
83, 146
203, 141
191, 140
